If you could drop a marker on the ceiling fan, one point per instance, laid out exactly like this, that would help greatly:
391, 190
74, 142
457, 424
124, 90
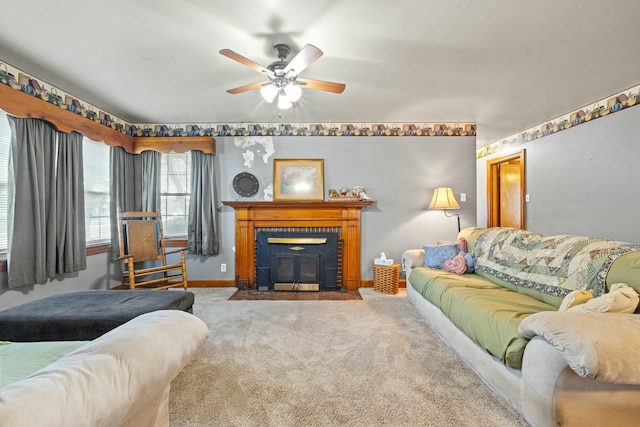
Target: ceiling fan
283, 76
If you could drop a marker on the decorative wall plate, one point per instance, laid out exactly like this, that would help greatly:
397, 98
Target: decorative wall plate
245, 184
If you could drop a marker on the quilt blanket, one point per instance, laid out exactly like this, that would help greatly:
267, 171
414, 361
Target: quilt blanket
555, 265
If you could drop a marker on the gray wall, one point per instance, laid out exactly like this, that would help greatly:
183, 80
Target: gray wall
400, 173
583, 180
96, 276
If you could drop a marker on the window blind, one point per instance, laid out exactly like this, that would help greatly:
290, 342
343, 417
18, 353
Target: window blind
175, 193
5, 141
96, 191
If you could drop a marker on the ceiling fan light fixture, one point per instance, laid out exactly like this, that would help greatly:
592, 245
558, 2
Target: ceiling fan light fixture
284, 102
283, 75
293, 92
269, 92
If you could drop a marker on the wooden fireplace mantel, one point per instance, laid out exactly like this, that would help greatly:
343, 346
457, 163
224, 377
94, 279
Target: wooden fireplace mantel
251, 215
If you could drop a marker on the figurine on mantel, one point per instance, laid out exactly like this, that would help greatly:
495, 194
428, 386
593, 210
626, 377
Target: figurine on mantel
345, 194
268, 193
359, 191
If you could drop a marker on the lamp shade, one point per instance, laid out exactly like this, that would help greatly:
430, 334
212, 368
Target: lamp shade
268, 92
443, 198
284, 102
293, 92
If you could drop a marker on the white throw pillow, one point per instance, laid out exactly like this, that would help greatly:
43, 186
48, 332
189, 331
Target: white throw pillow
601, 347
574, 298
621, 298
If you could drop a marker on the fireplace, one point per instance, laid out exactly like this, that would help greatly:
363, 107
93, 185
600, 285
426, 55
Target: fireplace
342, 216
296, 261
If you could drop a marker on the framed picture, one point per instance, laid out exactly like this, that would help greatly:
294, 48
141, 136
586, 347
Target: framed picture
298, 179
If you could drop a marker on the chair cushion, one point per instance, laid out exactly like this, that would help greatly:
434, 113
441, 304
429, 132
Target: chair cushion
85, 315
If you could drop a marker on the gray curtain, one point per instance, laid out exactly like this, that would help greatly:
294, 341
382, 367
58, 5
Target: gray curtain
150, 164
203, 231
135, 186
46, 203
71, 236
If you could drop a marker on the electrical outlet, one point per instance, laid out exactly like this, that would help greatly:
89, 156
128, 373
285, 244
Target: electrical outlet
223, 267
463, 197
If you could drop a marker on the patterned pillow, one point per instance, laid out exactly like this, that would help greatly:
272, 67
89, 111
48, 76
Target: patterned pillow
435, 255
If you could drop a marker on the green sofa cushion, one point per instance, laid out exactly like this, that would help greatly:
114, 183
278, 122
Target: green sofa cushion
540, 296
625, 269
471, 234
432, 283
487, 313
19, 360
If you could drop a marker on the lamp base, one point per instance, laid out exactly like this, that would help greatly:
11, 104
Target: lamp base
445, 212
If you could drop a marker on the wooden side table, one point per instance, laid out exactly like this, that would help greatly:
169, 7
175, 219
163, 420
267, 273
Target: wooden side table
385, 278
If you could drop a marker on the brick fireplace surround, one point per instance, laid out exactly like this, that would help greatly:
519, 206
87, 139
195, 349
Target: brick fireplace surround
253, 215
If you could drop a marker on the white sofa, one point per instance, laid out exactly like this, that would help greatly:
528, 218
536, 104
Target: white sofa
546, 391
119, 379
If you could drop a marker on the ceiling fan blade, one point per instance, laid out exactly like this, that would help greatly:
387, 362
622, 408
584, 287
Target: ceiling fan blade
322, 85
247, 62
307, 55
246, 88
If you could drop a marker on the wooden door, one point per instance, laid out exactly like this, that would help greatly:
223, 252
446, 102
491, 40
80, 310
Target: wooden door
510, 195
505, 191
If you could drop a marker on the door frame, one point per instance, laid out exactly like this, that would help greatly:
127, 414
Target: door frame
493, 188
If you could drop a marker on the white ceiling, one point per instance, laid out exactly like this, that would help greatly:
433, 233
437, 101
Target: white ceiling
506, 64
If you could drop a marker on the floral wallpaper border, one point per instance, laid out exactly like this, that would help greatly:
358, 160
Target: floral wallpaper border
596, 110
24, 82
48, 93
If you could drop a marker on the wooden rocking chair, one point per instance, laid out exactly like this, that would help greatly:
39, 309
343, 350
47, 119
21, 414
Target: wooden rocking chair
143, 253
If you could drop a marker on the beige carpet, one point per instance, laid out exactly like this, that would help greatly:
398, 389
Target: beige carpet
372, 362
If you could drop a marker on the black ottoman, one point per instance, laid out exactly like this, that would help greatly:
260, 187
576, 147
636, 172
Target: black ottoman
84, 315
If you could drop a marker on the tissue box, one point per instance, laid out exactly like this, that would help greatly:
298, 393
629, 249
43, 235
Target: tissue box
380, 261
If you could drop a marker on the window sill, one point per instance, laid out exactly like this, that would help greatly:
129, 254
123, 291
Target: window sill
103, 249
175, 243
91, 250
98, 249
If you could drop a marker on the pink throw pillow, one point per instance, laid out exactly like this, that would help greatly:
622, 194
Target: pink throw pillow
462, 243
457, 265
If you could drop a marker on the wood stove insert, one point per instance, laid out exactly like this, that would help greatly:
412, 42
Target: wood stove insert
296, 261
252, 215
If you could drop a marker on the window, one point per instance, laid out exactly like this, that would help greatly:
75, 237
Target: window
96, 192
5, 141
96, 176
174, 197
175, 186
